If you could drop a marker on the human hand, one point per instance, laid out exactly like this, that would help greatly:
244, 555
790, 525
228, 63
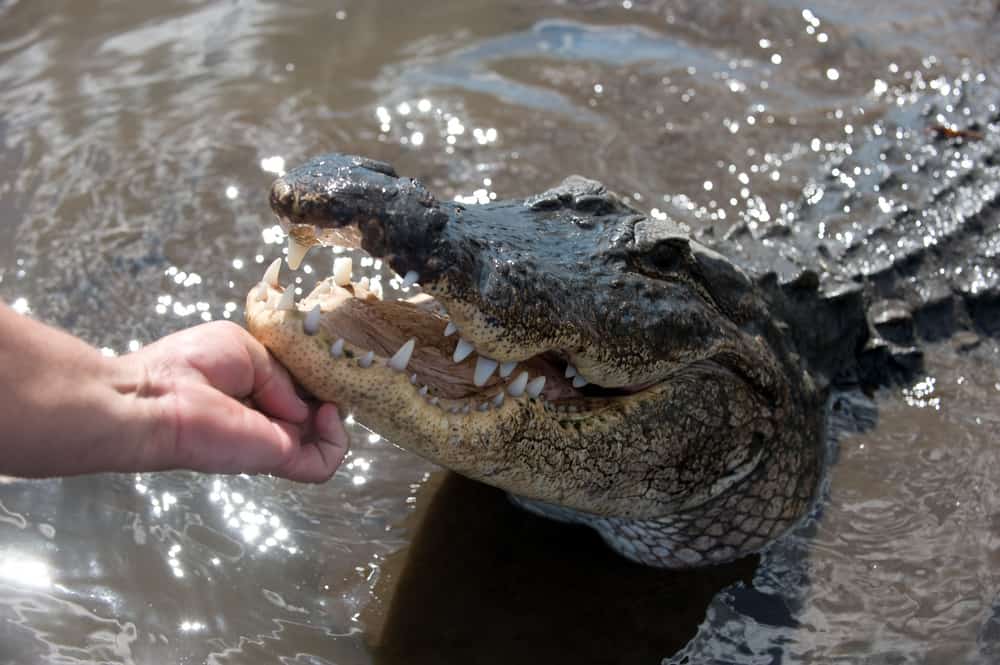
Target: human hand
221, 403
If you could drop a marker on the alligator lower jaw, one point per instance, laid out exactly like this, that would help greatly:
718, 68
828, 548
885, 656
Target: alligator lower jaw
393, 364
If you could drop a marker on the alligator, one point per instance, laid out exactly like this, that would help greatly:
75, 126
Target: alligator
668, 388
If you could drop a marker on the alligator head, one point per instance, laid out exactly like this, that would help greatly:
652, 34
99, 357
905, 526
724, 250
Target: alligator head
598, 364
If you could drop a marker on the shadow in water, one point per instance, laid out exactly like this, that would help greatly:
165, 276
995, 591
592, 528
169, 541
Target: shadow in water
484, 582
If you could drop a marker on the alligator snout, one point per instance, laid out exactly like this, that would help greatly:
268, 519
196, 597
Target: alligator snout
356, 202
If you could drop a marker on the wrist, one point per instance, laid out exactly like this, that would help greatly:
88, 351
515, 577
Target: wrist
144, 428
108, 422
66, 408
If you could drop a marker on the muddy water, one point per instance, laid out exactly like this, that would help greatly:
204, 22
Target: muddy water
136, 144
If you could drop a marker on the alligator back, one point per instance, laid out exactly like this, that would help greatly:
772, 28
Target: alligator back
872, 260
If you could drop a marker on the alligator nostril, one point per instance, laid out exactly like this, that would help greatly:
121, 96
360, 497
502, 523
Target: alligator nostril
282, 196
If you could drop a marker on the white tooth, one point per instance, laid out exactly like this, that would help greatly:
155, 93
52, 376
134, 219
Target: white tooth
423, 391
413, 379
262, 291
376, 288
399, 361
272, 272
366, 283
453, 409
287, 300
366, 360
498, 400
410, 279
434, 401
506, 368
296, 252
450, 329
484, 370
579, 381
535, 387
462, 350
516, 387
311, 323
337, 348
466, 408
570, 371
485, 406
342, 267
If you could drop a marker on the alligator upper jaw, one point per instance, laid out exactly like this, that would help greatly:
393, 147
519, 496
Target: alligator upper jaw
494, 331
353, 202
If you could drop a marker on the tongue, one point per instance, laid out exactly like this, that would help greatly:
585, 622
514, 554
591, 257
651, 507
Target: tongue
382, 326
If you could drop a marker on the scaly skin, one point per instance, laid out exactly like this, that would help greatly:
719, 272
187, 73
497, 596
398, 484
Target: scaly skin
712, 452
702, 442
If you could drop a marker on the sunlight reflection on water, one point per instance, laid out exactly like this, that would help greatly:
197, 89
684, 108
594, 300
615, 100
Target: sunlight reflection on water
136, 149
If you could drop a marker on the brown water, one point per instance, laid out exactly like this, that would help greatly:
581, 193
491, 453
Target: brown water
137, 141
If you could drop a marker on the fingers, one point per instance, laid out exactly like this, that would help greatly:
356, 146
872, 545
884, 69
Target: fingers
319, 458
218, 434
273, 390
213, 429
254, 373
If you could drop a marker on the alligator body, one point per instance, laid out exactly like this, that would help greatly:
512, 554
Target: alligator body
608, 368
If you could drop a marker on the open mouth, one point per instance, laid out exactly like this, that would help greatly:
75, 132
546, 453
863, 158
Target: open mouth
367, 335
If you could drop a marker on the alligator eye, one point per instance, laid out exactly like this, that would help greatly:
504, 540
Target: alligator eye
593, 203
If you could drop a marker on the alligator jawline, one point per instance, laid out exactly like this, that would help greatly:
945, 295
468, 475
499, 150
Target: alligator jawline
362, 330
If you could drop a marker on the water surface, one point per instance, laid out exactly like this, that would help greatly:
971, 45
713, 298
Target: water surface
137, 141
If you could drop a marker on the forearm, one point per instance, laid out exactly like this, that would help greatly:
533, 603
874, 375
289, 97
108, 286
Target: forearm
65, 408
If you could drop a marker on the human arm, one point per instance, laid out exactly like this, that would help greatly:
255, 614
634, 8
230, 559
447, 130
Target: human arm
185, 401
